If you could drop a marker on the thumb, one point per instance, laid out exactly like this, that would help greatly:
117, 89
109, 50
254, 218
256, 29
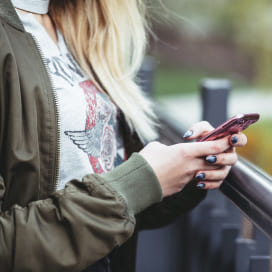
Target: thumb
197, 130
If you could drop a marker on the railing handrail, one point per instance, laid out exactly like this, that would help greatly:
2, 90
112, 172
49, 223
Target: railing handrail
250, 189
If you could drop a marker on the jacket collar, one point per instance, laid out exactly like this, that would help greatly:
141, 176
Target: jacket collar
8, 13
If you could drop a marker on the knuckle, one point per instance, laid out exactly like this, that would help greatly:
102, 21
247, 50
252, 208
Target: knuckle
184, 152
231, 159
155, 143
221, 159
221, 175
210, 175
190, 173
206, 125
216, 148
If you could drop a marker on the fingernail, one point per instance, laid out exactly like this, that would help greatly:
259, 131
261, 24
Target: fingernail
211, 159
200, 185
188, 134
200, 176
234, 139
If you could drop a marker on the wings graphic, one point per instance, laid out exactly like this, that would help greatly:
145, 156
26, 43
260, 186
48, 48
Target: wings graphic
89, 141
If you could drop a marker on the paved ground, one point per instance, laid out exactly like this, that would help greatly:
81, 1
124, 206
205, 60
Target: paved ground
187, 109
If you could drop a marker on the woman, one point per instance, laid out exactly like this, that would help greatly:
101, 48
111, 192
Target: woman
71, 116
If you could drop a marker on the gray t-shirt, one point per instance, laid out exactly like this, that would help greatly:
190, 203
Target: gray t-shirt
89, 137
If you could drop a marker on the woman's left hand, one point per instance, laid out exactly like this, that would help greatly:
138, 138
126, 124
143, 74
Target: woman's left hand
223, 161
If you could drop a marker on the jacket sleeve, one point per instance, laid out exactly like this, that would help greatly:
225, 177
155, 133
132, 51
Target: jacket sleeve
78, 225
165, 212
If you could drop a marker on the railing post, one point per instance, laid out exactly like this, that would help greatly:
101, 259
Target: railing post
263, 244
215, 93
259, 264
145, 77
245, 248
229, 234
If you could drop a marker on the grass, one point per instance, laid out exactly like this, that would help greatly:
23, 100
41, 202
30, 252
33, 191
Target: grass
172, 80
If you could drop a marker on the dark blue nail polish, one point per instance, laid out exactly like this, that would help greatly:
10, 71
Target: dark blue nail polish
188, 134
234, 139
200, 176
200, 185
211, 159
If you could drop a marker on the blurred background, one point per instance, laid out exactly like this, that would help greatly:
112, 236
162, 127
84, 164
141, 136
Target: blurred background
196, 39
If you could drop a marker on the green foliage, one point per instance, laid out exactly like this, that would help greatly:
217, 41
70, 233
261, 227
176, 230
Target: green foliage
249, 24
258, 149
246, 23
173, 80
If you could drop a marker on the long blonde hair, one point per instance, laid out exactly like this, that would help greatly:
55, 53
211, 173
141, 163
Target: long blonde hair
108, 39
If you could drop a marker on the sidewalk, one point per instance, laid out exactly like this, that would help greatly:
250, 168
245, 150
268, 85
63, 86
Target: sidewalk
187, 109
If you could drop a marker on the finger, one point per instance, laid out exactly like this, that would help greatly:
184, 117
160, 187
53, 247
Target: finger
200, 163
231, 150
222, 159
209, 185
197, 130
202, 149
238, 140
213, 175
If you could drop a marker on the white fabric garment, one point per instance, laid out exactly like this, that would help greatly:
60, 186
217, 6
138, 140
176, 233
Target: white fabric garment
35, 6
89, 138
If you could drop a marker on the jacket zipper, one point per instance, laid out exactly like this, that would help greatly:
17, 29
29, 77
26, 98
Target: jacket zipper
56, 104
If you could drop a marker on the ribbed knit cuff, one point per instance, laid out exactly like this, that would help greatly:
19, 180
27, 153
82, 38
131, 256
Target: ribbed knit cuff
136, 181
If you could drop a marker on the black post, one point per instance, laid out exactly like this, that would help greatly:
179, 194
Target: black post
260, 264
215, 93
145, 77
229, 234
245, 248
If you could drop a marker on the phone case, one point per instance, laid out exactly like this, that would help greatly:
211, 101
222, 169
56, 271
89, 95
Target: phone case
234, 125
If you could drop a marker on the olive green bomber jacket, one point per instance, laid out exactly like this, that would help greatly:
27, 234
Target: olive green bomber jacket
67, 230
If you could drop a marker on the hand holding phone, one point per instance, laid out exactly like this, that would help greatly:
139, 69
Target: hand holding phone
234, 125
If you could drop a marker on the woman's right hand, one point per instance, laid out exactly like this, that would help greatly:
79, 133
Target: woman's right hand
178, 164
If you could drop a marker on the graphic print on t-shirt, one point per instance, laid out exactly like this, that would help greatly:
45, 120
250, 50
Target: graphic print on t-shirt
98, 140
66, 68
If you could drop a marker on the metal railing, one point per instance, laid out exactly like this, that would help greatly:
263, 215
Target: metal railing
250, 189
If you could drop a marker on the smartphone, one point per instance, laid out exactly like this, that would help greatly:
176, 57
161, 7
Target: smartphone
234, 125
